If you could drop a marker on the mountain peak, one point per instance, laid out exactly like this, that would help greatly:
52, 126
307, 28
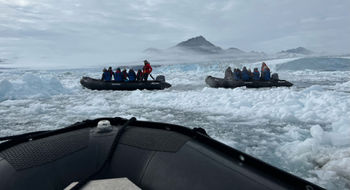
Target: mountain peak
196, 41
298, 50
199, 44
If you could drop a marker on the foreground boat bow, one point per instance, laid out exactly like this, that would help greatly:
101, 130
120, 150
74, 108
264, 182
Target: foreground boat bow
151, 155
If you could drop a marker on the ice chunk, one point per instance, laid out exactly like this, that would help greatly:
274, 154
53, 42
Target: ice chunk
31, 86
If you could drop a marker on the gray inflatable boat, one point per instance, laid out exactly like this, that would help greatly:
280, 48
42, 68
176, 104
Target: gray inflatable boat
96, 84
223, 83
151, 155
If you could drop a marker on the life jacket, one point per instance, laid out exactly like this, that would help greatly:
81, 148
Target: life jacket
256, 75
147, 68
107, 76
118, 76
267, 74
132, 75
245, 75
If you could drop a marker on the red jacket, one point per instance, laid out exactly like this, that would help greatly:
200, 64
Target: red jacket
147, 69
263, 67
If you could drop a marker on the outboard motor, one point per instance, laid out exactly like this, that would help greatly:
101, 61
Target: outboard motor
274, 76
160, 78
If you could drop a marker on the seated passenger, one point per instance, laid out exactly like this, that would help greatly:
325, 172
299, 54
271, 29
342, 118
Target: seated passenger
125, 75
118, 75
110, 71
266, 74
228, 74
237, 74
131, 75
139, 75
106, 76
263, 67
245, 75
256, 74
250, 74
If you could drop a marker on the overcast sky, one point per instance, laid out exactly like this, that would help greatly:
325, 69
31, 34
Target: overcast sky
120, 29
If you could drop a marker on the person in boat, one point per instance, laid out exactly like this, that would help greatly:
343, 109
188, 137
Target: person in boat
147, 69
124, 75
264, 66
118, 75
131, 75
236, 74
256, 74
265, 72
106, 75
245, 74
264, 69
250, 74
228, 74
139, 75
110, 70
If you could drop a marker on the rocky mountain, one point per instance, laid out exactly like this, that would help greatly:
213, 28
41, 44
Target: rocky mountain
202, 47
198, 45
299, 50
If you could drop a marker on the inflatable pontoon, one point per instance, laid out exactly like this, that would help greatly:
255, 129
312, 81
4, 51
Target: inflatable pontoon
151, 155
223, 83
96, 84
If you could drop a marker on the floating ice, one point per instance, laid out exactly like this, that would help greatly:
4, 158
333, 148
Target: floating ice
31, 86
304, 129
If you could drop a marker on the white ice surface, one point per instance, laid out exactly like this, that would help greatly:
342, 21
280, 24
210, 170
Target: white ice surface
304, 129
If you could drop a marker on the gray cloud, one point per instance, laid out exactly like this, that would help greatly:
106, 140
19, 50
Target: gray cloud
120, 30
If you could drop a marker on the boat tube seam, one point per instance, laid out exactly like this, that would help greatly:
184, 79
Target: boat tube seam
144, 170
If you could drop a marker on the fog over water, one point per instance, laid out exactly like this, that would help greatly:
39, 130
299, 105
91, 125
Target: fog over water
48, 33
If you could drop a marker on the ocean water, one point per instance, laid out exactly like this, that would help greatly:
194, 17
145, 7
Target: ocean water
304, 130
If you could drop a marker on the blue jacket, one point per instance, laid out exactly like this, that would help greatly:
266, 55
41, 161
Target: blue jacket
256, 75
267, 75
118, 76
245, 75
236, 76
132, 75
107, 76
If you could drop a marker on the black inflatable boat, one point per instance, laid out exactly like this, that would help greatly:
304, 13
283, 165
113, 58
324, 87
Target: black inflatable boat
223, 83
95, 84
151, 155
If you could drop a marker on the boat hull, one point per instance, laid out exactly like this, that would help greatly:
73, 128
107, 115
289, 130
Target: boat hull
223, 83
95, 84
